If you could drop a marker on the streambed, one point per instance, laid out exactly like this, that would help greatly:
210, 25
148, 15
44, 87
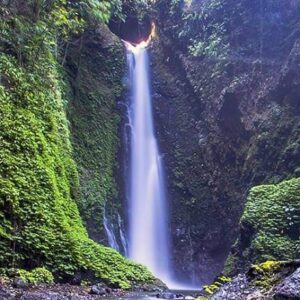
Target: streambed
180, 295
71, 292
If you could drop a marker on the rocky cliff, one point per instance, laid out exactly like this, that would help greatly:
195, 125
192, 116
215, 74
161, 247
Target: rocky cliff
226, 95
95, 65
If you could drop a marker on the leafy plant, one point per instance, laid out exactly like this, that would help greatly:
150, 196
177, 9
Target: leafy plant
36, 276
40, 223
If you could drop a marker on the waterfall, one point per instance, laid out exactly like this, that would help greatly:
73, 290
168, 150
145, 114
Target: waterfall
122, 236
148, 220
109, 229
115, 234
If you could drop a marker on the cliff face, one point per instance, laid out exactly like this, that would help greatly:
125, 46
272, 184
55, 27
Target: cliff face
226, 94
95, 65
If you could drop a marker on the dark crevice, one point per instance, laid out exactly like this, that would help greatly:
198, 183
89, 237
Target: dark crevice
131, 30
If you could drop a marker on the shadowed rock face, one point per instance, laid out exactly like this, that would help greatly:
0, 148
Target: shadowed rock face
226, 121
132, 29
289, 288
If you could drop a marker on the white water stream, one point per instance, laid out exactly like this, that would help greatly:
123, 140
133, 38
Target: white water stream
148, 221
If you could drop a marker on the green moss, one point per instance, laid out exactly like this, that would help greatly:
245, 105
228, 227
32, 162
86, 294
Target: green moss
274, 213
94, 123
211, 289
266, 274
270, 225
215, 286
39, 219
267, 266
229, 265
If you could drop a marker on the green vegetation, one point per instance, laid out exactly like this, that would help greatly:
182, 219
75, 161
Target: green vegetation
273, 211
94, 123
270, 225
215, 286
40, 224
35, 276
212, 28
202, 31
265, 274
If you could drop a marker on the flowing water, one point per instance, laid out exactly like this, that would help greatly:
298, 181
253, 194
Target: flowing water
148, 222
122, 236
148, 242
109, 229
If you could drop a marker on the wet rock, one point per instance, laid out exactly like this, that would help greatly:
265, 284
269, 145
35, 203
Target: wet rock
20, 283
43, 296
179, 296
189, 297
237, 289
76, 297
289, 288
156, 287
4, 294
166, 295
98, 290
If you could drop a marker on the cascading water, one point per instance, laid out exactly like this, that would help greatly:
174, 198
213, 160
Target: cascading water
148, 220
122, 236
109, 229
115, 234
148, 236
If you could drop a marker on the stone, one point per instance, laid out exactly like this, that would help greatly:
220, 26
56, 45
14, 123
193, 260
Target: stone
20, 283
4, 294
166, 296
43, 296
233, 290
289, 288
98, 290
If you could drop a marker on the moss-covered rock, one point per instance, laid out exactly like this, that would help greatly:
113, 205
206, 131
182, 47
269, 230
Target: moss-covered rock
262, 281
95, 70
270, 225
266, 274
215, 286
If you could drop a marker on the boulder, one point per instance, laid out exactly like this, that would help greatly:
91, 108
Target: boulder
98, 290
289, 288
20, 283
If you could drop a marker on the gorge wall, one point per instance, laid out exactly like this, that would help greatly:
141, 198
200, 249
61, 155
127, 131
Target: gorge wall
96, 66
226, 94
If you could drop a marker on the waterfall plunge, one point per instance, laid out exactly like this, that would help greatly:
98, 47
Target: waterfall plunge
148, 220
148, 240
